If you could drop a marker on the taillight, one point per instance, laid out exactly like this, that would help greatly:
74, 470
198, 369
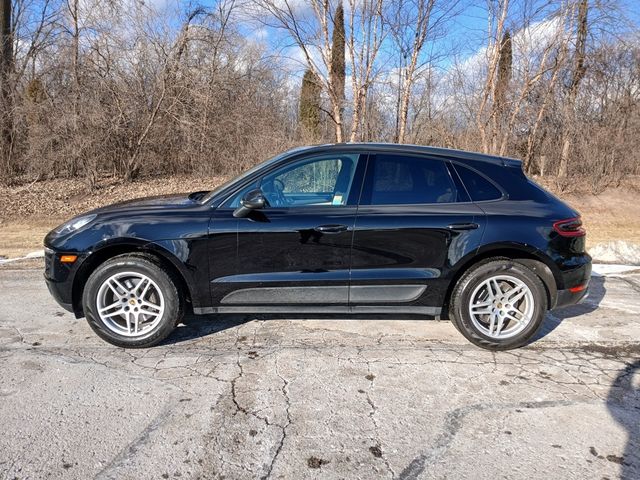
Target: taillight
571, 227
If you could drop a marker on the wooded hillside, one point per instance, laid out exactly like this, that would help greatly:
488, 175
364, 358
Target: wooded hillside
131, 88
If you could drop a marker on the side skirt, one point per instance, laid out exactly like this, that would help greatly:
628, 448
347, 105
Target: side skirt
431, 311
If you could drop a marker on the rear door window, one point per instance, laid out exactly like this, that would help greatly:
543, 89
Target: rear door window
407, 180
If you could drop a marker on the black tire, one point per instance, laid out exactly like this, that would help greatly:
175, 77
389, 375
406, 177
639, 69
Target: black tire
461, 298
150, 267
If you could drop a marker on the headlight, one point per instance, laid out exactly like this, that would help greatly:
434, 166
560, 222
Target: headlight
74, 224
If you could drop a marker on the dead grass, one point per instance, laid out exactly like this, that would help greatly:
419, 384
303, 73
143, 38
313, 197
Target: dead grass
611, 215
19, 237
64, 198
27, 213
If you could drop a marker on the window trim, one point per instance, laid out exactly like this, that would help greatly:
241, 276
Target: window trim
444, 160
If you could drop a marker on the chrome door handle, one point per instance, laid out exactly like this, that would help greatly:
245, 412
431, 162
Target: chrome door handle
463, 226
331, 228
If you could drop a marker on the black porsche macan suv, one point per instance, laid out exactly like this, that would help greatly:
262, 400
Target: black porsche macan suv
346, 228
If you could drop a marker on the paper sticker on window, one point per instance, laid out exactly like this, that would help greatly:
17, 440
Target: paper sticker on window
337, 200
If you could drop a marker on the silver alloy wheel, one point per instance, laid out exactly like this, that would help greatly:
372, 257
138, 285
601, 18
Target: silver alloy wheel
130, 304
501, 307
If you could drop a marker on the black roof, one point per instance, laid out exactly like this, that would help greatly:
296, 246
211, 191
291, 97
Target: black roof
405, 148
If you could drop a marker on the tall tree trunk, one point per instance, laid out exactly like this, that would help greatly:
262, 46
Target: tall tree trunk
579, 70
337, 70
75, 45
500, 88
532, 137
6, 107
369, 14
495, 31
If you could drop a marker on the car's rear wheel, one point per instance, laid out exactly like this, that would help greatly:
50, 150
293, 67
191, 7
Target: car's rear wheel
499, 304
131, 301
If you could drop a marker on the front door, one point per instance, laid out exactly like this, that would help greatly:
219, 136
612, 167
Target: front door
296, 251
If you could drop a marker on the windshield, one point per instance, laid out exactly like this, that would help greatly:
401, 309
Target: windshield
246, 174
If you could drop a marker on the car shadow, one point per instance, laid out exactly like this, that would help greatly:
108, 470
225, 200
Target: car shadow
197, 326
623, 403
553, 319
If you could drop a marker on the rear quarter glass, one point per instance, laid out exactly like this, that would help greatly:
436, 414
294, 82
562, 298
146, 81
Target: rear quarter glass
519, 187
479, 188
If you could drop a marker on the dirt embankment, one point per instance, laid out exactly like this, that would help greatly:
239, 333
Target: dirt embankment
62, 198
29, 211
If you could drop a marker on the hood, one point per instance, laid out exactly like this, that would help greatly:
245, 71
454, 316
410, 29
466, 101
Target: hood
179, 200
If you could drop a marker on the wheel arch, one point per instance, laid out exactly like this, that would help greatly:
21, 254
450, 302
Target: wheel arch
131, 246
530, 257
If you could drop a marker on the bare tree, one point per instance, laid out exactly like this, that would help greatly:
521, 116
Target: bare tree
6, 91
411, 24
311, 35
501, 85
95, 87
338, 72
577, 74
365, 37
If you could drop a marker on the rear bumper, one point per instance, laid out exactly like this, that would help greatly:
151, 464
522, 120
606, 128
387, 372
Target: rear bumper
576, 284
567, 297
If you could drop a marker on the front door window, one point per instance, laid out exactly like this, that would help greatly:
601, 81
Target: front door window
320, 181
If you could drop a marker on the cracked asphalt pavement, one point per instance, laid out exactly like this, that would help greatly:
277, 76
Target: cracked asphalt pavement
240, 397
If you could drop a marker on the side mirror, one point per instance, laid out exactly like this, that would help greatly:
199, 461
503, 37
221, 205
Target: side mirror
252, 200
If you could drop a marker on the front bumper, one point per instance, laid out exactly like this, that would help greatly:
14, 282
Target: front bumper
59, 277
57, 292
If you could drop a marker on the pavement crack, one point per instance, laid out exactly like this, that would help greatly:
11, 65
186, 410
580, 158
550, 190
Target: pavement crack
377, 450
285, 394
129, 451
234, 392
454, 422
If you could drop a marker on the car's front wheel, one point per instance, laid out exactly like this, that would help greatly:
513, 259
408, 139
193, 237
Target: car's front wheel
131, 301
499, 305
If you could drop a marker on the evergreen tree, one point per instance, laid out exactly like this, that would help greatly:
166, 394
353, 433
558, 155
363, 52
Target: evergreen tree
309, 110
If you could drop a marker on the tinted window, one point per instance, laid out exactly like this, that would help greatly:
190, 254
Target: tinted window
322, 180
479, 188
405, 180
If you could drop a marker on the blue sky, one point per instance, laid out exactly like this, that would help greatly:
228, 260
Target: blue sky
464, 36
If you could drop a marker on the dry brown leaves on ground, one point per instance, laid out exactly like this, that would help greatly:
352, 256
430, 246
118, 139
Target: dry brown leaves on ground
63, 198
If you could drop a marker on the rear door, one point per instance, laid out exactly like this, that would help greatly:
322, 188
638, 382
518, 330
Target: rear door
415, 221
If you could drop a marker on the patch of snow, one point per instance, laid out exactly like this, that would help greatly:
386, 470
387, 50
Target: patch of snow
36, 254
9, 260
617, 252
603, 269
